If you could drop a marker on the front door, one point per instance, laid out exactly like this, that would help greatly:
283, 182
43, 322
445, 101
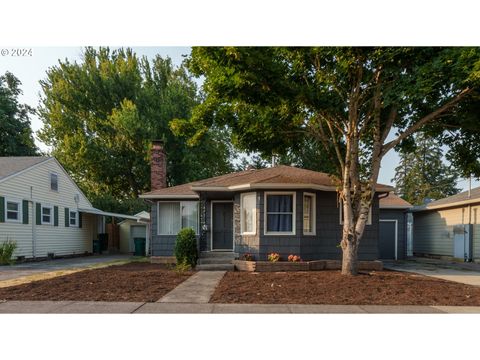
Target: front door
222, 226
387, 240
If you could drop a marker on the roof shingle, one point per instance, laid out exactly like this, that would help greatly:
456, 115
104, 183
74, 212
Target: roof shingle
10, 165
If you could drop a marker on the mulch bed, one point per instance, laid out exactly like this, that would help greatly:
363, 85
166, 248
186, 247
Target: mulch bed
142, 282
330, 287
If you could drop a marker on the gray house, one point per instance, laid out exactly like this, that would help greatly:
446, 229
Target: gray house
279, 209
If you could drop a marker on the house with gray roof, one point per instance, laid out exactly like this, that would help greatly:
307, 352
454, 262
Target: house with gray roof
449, 228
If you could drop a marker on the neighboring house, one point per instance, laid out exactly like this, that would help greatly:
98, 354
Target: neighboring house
44, 211
449, 227
280, 209
131, 229
393, 233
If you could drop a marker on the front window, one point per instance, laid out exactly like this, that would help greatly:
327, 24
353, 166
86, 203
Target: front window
248, 214
13, 210
309, 214
53, 181
47, 215
73, 218
280, 213
173, 216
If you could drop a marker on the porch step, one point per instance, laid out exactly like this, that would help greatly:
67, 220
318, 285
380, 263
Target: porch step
215, 267
214, 260
218, 254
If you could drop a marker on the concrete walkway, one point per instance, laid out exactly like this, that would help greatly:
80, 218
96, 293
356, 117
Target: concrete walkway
99, 307
197, 289
460, 275
9, 272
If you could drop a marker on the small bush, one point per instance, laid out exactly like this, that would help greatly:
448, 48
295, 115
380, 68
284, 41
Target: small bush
294, 258
274, 257
186, 247
182, 267
248, 257
6, 252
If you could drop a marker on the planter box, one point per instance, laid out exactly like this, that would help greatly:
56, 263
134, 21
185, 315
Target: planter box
316, 265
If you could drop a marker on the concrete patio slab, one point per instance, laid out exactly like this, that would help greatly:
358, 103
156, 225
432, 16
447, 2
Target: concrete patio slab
98, 307
175, 308
196, 289
32, 307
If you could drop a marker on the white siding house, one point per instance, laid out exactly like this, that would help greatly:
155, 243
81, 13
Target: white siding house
43, 210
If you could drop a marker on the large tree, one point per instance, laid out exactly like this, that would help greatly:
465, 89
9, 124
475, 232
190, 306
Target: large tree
347, 99
15, 131
422, 174
101, 114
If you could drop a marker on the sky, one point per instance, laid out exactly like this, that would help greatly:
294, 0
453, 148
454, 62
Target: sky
31, 69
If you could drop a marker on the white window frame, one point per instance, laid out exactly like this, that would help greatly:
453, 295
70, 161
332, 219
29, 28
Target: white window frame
19, 212
58, 185
314, 213
180, 215
70, 218
265, 215
369, 220
44, 206
242, 224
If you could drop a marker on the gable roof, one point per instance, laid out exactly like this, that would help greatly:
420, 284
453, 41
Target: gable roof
393, 201
285, 177
10, 165
463, 198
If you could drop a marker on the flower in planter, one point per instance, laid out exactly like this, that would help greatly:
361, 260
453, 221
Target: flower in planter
248, 257
274, 257
294, 258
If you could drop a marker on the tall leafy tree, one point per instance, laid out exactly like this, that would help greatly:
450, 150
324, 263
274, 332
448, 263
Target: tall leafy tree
422, 174
347, 99
101, 114
15, 131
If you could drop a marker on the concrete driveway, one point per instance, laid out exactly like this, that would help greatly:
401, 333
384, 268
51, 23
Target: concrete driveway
10, 272
458, 272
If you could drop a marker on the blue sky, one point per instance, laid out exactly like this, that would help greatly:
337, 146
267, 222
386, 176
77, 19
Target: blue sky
32, 69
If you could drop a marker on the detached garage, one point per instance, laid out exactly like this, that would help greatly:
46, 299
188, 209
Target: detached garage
392, 240
131, 229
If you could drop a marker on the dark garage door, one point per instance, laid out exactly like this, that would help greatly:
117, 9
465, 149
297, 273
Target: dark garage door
387, 239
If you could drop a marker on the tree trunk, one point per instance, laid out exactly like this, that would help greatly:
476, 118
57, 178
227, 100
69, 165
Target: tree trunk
349, 261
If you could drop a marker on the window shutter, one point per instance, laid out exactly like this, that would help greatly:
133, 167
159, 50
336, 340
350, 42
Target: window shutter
25, 211
39, 213
67, 217
55, 216
79, 219
2, 209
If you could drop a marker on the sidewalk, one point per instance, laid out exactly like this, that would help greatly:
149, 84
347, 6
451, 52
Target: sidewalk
94, 307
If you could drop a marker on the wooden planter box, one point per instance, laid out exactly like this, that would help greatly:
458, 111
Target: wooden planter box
267, 266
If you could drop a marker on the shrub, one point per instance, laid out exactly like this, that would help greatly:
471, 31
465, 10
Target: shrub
248, 257
182, 267
186, 247
6, 252
294, 258
274, 257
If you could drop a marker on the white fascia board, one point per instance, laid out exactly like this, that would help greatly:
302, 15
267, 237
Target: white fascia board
449, 205
196, 197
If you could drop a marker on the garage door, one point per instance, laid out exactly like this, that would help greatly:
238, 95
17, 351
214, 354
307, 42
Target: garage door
387, 240
139, 231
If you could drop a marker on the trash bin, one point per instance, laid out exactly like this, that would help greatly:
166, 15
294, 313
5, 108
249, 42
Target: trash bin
97, 246
103, 238
139, 246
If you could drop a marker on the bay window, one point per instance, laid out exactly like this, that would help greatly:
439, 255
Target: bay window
174, 216
279, 213
248, 213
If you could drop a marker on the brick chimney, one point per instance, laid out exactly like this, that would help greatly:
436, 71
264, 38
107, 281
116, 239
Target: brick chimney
158, 166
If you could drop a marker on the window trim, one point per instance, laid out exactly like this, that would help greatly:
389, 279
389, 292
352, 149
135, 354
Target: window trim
70, 218
294, 214
314, 214
340, 213
56, 174
43, 206
19, 212
254, 232
197, 230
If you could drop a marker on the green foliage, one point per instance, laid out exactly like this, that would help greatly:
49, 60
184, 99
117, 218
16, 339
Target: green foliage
186, 247
110, 203
7, 249
422, 174
273, 257
101, 114
183, 267
15, 132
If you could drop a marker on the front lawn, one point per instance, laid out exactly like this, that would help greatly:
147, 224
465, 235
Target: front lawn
330, 287
137, 281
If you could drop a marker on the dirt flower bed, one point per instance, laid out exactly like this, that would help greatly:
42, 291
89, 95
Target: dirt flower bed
130, 282
330, 287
